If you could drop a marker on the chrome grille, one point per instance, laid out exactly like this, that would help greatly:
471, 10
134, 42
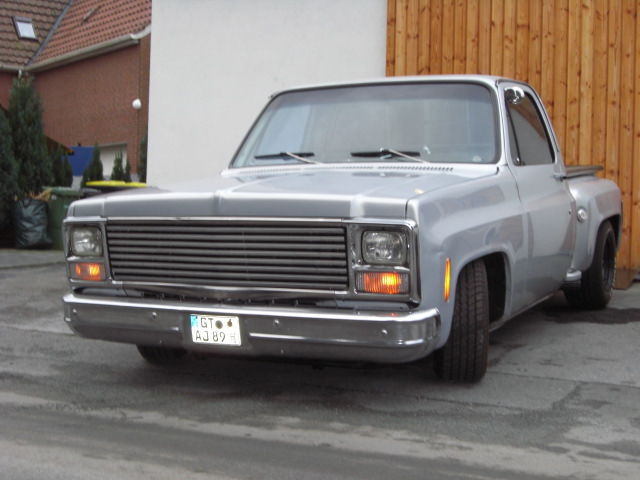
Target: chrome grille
229, 254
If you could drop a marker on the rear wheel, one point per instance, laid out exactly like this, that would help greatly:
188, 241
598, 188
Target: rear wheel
161, 355
597, 281
465, 355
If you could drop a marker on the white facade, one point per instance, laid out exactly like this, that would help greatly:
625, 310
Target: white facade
214, 64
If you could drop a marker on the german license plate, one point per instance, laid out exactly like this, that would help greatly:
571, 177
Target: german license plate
215, 329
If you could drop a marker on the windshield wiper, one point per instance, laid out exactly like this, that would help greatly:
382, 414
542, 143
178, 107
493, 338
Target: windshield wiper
300, 156
390, 152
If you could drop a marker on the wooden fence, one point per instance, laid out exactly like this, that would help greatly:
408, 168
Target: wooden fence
582, 56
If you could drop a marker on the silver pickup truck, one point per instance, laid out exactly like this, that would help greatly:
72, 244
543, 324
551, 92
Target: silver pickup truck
374, 221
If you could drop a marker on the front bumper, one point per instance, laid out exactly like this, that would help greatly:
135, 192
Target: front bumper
385, 337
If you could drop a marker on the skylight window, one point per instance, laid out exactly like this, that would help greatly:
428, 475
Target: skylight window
25, 28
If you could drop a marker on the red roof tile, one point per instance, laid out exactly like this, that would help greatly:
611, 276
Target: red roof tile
91, 22
16, 52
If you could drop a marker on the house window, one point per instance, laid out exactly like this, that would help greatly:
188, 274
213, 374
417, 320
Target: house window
25, 28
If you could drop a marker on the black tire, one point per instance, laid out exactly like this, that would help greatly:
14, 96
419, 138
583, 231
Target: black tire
465, 355
161, 355
597, 281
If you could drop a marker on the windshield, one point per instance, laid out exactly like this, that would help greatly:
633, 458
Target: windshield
413, 122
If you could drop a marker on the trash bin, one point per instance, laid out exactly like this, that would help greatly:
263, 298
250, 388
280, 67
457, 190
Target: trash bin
59, 201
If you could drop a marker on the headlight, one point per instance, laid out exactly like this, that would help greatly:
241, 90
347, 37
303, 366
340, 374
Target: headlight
384, 248
86, 242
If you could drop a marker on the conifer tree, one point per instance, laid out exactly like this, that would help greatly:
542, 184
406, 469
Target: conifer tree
8, 188
30, 153
93, 171
67, 169
127, 171
56, 166
142, 161
117, 173
62, 171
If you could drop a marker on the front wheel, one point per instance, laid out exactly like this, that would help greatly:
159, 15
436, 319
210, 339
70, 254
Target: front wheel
160, 355
597, 281
465, 356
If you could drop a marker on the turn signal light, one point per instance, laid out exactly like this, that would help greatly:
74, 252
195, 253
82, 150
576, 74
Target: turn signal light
92, 272
386, 283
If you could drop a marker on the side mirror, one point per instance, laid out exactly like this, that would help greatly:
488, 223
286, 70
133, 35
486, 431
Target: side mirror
514, 95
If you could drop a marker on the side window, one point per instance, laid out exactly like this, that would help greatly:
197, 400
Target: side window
530, 140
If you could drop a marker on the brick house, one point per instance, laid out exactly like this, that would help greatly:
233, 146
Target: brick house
90, 61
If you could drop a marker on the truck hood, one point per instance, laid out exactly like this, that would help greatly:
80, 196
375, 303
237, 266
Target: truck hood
363, 190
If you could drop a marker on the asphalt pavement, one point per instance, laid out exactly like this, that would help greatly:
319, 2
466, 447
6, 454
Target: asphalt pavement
560, 400
12, 258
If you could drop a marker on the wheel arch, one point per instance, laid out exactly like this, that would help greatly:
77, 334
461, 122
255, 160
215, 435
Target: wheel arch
616, 223
498, 278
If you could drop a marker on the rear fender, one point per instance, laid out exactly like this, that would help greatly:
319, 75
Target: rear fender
597, 200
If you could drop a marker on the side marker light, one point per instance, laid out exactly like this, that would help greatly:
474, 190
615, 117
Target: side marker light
447, 280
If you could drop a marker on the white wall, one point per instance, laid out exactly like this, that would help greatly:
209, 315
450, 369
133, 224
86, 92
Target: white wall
215, 62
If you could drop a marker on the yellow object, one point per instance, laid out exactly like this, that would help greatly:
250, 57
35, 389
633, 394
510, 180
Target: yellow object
115, 183
447, 280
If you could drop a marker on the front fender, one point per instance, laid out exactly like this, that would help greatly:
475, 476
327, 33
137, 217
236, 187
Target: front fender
463, 224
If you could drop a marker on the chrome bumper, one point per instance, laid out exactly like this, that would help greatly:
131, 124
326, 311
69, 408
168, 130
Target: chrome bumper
385, 337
